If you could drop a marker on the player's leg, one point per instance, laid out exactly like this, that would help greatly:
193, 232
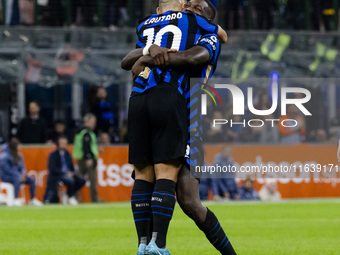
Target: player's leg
140, 154
141, 201
189, 200
163, 200
168, 118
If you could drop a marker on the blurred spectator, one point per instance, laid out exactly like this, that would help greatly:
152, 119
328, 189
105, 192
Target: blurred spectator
26, 8
61, 169
12, 12
83, 12
123, 132
86, 151
292, 135
315, 14
321, 136
338, 152
327, 12
215, 133
32, 129
116, 13
269, 133
13, 171
247, 191
138, 12
264, 102
103, 110
265, 13
232, 17
225, 186
58, 131
104, 139
295, 14
333, 135
235, 129
269, 191
55, 13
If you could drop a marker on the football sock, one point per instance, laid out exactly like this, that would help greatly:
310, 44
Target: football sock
141, 208
215, 234
162, 204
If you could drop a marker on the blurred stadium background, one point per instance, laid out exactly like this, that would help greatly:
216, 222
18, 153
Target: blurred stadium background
59, 52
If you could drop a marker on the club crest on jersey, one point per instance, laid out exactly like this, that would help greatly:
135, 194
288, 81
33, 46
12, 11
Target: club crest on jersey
172, 16
145, 74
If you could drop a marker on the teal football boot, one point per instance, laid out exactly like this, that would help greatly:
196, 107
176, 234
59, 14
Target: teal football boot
152, 249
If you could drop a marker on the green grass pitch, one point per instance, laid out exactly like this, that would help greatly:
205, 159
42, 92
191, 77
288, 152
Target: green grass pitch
305, 227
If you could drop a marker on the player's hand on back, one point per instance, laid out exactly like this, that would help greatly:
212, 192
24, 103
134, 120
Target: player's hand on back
159, 55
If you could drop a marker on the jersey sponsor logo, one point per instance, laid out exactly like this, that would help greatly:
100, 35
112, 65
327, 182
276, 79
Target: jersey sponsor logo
145, 73
172, 16
212, 41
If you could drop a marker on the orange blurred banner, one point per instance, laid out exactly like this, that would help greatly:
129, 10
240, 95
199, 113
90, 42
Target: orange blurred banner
115, 183
297, 185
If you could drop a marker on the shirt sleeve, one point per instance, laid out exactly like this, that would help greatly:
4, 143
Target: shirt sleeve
87, 147
21, 166
205, 26
212, 44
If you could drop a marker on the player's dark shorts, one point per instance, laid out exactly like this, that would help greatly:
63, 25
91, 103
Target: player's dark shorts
157, 126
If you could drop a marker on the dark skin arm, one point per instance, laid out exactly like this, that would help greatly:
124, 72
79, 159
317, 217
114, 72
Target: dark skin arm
187, 59
159, 54
131, 58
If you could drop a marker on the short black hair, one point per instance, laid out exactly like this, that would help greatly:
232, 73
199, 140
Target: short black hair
212, 8
59, 121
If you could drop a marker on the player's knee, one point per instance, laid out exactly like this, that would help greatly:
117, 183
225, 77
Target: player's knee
187, 204
144, 172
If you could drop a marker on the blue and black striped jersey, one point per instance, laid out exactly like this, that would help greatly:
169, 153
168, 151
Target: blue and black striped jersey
194, 154
175, 30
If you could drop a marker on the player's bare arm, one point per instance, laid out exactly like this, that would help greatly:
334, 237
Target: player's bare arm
222, 34
131, 58
187, 59
159, 54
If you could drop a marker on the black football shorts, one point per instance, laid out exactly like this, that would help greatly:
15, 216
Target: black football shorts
157, 125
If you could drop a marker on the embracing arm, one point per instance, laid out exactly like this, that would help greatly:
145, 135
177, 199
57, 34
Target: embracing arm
192, 57
130, 59
222, 34
187, 59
